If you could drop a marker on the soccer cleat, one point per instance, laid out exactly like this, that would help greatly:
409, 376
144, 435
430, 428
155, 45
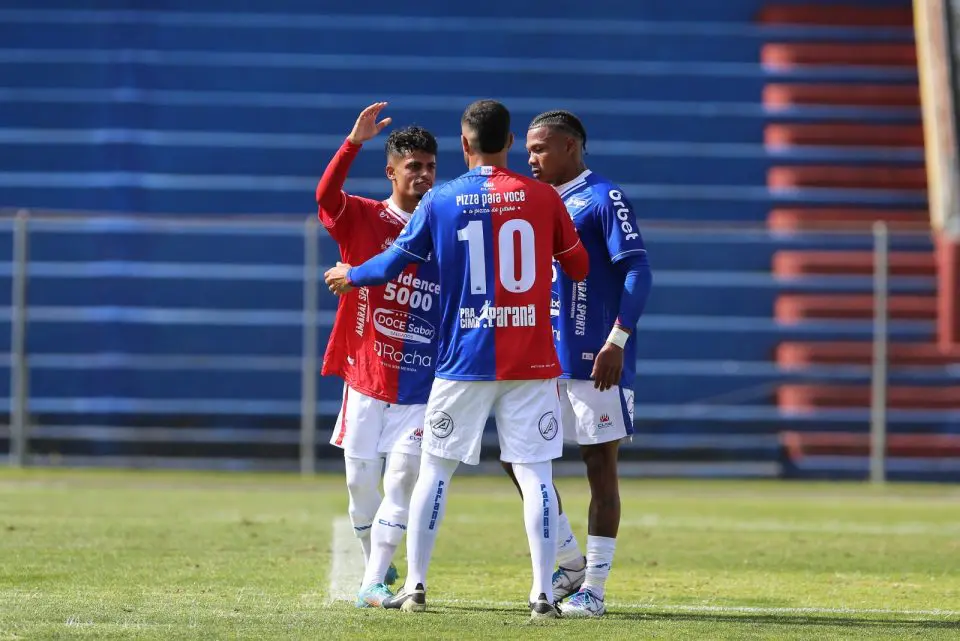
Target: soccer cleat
583, 604
542, 608
373, 596
392, 575
415, 601
567, 581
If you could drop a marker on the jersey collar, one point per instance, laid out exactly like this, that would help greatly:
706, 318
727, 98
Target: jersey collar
576, 182
394, 209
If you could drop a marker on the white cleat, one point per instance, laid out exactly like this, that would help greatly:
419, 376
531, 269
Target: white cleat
582, 605
567, 581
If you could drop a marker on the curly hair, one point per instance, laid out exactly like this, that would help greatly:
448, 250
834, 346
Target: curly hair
405, 141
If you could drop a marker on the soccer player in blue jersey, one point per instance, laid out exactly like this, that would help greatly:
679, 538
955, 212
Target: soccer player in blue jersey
593, 330
495, 235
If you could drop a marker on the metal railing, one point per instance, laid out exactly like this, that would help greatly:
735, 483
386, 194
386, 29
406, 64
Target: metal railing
306, 317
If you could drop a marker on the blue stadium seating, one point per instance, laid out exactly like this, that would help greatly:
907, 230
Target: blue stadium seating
217, 109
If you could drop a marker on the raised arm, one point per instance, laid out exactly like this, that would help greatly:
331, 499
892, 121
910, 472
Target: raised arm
331, 200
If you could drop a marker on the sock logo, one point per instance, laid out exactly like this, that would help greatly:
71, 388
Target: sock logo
389, 524
436, 506
361, 528
545, 498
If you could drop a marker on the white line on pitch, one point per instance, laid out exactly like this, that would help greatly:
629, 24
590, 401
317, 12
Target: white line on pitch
346, 566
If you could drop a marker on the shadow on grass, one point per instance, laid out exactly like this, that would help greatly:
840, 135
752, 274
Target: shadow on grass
867, 621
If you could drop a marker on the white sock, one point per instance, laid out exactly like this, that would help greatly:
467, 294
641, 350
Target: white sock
390, 523
569, 554
365, 545
427, 505
599, 560
540, 518
363, 490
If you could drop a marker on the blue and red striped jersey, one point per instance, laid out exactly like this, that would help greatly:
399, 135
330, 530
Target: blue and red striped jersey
493, 234
383, 341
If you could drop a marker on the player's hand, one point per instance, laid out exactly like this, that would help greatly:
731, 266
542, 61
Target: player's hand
367, 126
336, 279
607, 367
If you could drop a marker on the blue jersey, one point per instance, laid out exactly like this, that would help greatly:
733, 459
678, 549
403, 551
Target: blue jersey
584, 312
494, 235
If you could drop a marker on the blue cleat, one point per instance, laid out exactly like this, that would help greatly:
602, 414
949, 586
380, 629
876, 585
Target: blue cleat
392, 575
373, 596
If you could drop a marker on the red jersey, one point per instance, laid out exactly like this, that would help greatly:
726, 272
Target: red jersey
383, 341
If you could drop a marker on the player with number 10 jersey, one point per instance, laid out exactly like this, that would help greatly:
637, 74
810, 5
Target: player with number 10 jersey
494, 235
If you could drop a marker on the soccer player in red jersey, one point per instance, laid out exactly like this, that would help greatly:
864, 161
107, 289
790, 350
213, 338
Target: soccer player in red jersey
494, 235
382, 343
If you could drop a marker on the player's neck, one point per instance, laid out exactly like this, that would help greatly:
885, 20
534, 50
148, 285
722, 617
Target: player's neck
488, 160
571, 174
405, 202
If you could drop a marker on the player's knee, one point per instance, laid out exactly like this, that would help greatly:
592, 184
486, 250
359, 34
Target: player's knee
363, 478
601, 462
401, 476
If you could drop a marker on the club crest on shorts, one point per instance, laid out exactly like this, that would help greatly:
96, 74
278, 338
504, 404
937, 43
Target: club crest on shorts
548, 426
441, 424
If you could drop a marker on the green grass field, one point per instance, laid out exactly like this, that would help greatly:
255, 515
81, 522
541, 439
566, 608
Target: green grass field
152, 555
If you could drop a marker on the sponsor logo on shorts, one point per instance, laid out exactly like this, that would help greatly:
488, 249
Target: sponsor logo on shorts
548, 426
586, 356
605, 422
441, 424
402, 325
417, 435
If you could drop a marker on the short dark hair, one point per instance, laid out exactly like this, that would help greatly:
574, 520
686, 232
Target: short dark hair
405, 141
565, 121
489, 120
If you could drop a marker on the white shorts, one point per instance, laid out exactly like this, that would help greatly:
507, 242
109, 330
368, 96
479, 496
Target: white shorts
368, 428
527, 413
591, 417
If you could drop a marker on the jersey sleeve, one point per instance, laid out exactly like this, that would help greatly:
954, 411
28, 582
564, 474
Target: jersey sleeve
619, 226
337, 210
415, 242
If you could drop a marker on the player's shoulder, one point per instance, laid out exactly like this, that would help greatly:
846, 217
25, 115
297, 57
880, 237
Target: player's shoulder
534, 188
605, 192
366, 205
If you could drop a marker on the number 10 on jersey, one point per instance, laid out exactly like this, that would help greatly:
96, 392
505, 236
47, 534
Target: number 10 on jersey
516, 268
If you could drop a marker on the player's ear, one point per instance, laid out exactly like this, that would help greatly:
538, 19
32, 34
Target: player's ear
509, 140
390, 171
465, 144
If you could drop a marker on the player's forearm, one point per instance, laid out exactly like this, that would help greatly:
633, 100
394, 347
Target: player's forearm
379, 270
637, 282
330, 187
575, 263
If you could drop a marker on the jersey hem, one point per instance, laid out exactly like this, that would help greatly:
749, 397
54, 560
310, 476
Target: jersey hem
528, 376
